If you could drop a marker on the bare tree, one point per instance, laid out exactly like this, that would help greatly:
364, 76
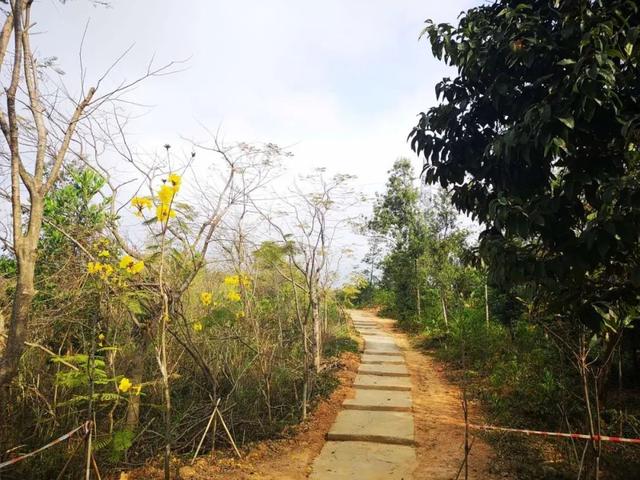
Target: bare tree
307, 229
39, 131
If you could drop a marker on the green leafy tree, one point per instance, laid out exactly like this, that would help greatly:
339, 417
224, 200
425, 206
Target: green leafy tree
398, 219
537, 137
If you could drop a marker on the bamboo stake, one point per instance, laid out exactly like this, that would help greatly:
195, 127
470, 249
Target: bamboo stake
95, 466
213, 414
233, 443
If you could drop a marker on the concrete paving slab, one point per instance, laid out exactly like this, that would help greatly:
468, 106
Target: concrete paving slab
386, 370
380, 337
380, 346
377, 382
379, 400
376, 358
377, 426
363, 460
397, 354
384, 357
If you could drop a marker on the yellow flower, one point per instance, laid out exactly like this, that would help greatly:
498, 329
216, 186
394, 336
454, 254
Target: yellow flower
131, 265
104, 254
175, 181
233, 296
94, 267
205, 298
124, 385
106, 271
197, 326
235, 280
165, 194
240, 314
137, 267
140, 203
163, 213
232, 280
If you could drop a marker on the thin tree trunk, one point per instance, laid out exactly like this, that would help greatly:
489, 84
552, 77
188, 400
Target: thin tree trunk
486, 303
317, 333
137, 376
418, 310
444, 311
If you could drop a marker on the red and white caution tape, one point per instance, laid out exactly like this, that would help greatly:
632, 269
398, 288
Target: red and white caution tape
84, 427
582, 436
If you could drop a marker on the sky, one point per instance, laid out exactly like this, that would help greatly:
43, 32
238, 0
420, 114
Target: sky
337, 82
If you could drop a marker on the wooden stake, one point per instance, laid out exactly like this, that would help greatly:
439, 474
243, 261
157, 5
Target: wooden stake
213, 414
233, 443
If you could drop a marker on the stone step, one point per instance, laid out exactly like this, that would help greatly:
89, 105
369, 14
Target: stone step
399, 401
377, 382
380, 345
386, 354
375, 358
379, 427
364, 460
380, 362
384, 370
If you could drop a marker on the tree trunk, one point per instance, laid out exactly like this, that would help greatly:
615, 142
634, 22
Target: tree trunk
21, 312
418, 310
317, 332
137, 376
444, 311
305, 372
486, 303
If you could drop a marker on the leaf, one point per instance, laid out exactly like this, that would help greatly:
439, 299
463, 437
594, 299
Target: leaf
628, 48
560, 143
566, 61
568, 121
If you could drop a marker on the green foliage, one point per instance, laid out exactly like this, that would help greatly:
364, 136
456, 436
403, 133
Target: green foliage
553, 175
121, 441
340, 341
71, 207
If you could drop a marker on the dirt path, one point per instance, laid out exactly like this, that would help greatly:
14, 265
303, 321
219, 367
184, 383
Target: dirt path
437, 411
433, 448
373, 436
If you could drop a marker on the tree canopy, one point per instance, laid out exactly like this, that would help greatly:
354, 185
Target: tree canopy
537, 138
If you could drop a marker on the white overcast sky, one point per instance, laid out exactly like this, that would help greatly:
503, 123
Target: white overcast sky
339, 82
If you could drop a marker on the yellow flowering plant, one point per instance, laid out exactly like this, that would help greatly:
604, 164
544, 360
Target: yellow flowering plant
175, 181
125, 385
140, 203
206, 298
164, 213
131, 265
233, 296
166, 194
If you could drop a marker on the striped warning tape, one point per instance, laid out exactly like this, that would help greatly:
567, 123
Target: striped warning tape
84, 427
582, 436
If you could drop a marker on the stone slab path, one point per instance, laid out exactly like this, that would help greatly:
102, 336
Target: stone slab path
373, 436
